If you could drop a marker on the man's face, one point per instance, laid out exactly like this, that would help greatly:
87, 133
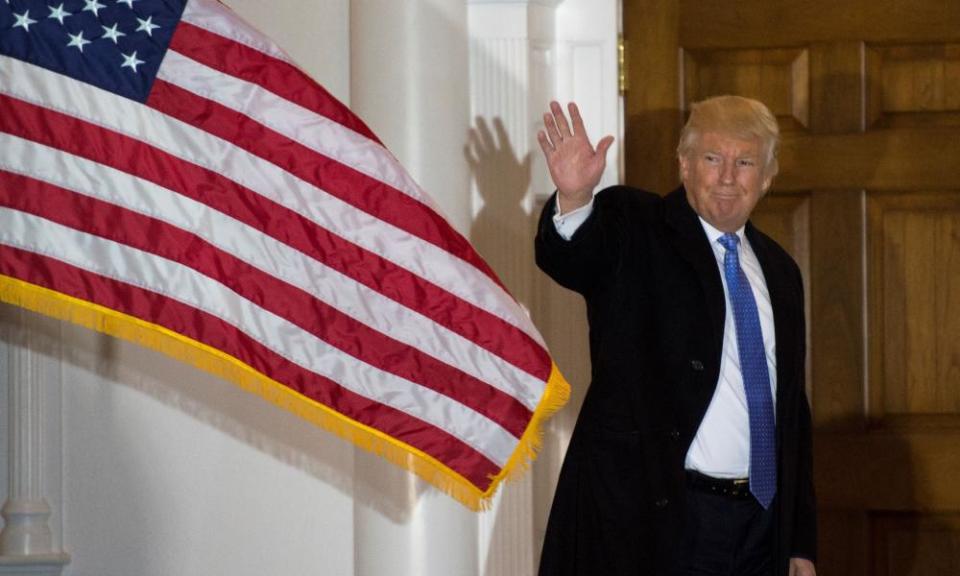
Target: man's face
724, 178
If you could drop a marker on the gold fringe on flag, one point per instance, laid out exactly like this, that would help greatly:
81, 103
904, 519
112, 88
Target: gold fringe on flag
111, 322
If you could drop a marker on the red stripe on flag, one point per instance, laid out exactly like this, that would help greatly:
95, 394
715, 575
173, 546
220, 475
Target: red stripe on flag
355, 188
154, 236
210, 330
132, 156
281, 78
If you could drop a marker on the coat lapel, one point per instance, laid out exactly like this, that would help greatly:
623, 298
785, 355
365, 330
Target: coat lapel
783, 317
691, 243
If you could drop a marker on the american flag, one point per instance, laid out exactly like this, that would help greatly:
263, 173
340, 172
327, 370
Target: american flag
169, 176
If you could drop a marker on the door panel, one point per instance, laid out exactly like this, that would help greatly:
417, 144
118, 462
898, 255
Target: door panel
867, 93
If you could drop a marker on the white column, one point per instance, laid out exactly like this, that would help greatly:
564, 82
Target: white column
26, 542
512, 61
588, 72
409, 83
512, 77
523, 54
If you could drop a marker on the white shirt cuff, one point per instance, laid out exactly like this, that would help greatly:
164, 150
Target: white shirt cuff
567, 224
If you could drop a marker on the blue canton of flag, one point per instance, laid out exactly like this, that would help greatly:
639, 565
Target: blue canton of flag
116, 45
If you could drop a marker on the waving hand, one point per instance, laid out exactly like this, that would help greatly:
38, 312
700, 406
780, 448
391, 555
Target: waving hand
575, 166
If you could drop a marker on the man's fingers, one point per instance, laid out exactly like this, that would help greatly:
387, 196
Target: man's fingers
604, 144
561, 119
545, 144
576, 119
550, 124
558, 130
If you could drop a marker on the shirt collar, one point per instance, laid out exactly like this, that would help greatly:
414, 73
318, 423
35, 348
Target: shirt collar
713, 234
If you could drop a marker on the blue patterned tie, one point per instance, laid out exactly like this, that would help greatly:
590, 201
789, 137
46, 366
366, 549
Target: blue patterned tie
756, 378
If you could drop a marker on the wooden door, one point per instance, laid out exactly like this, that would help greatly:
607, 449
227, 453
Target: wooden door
867, 93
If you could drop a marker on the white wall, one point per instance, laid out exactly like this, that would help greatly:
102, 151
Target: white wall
169, 471
163, 470
587, 71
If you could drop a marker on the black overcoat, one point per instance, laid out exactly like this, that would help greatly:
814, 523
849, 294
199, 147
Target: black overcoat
656, 306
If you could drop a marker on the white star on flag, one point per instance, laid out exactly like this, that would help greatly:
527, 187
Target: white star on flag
112, 33
93, 6
59, 13
129, 3
23, 20
147, 26
130, 61
77, 40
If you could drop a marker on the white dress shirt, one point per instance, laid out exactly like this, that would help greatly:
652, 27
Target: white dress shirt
721, 447
566, 224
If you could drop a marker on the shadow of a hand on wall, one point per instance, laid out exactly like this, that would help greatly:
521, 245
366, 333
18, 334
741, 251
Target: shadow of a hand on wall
501, 230
502, 234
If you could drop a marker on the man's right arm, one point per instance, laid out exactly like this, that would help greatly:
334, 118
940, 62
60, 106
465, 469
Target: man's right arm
594, 252
571, 260
566, 224
575, 168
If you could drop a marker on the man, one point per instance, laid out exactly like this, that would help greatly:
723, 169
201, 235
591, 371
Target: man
692, 451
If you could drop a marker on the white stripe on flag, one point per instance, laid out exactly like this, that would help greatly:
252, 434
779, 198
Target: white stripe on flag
60, 93
272, 257
181, 283
219, 19
316, 132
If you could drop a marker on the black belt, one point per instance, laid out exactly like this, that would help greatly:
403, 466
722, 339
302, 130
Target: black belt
738, 488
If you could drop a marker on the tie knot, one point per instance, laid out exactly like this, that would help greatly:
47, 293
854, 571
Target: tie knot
729, 241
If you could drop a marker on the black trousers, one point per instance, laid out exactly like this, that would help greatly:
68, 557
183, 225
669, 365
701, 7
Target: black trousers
727, 535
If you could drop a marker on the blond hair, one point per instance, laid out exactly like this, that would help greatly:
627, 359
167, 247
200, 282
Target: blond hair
733, 116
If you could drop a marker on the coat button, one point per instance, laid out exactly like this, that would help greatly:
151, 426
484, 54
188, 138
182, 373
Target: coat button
696, 365
662, 503
674, 434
